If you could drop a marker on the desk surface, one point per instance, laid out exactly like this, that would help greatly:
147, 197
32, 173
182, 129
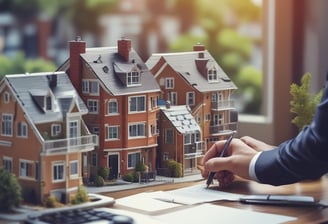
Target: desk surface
316, 188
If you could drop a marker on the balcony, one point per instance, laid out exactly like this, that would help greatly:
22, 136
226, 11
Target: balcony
221, 129
194, 150
223, 105
70, 145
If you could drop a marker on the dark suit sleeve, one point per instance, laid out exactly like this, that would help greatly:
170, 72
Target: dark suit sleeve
303, 157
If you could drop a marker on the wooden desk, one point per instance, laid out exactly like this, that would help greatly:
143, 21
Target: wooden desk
317, 188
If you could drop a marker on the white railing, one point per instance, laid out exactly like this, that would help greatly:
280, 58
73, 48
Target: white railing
82, 144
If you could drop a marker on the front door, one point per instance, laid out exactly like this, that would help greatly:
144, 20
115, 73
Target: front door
113, 165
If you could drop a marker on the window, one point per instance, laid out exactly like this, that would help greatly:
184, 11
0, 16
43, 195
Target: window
137, 104
173, 98
94, 87
6, 97
22, 129
218, 119
112, 132
207, 117
165, 156
112, 107
7, 164
169, 83
25, 168
133, 159
48, 103
58, 172
169, 136
190, 98
95, 130
137, 130
212, 75
7, 125
153, 103
93, 106
55, 129
85, 86
188, 138
74, 168
153, 130
94, 160
133, 78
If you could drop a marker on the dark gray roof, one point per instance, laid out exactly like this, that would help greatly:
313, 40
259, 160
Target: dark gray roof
184, 64
30, 88
102, 62
181, 118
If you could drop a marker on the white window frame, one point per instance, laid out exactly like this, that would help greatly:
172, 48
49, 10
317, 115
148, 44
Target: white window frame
109, 135
93, 106
22, 130
74, 169
56, 129
132, 164
133, 78
25, 169
137, 109
85, 86
212, 75
169, 83
7, 164
7, 125
139, 133
190, 98
6, 97
110, 102
94, 87
173, 98
56, 165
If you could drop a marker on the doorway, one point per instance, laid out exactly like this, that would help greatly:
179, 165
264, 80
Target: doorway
113, 165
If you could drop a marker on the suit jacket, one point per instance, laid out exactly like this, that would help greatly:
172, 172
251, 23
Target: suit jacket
303, 157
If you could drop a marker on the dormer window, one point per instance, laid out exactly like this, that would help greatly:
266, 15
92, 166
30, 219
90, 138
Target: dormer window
48, 103
133, 78
212, 75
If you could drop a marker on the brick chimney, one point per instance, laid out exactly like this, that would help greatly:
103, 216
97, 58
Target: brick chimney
200, 48
76, 47
124, 48
201, 61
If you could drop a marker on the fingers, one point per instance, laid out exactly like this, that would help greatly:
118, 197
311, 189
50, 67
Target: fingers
256, 144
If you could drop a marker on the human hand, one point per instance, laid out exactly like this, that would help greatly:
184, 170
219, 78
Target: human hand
237, 160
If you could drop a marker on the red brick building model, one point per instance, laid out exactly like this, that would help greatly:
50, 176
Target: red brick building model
43, 139
121, 95
195, 79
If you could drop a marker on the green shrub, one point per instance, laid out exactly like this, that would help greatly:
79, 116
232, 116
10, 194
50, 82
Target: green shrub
99, 181
103, 172
175, 168
80, 197
131, 177
10, 191
50, 202
140, 167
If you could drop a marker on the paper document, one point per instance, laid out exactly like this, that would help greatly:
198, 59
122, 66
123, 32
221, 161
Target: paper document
213, 214
196, 194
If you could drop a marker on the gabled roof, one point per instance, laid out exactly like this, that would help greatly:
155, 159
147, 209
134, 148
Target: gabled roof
30, 90
105, 61
181, 118
184, 64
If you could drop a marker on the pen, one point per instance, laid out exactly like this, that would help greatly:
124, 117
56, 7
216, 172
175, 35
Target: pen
222, 154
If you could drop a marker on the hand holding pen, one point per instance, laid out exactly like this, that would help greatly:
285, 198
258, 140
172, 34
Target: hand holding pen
222, 154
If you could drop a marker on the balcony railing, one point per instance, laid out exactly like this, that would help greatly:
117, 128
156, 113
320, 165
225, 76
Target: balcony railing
67, 145
223, 105
216, 129
195, 149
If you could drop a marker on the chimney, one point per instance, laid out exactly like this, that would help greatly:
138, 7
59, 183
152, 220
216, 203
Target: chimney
76, 47
124, 48
199, 47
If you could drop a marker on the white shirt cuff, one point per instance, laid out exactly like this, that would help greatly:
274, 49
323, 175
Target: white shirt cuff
251, 169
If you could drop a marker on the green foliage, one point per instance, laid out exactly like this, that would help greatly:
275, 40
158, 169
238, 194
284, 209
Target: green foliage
103, 172
99, 181
140, 167
131, 177
175, 168
80, 197
10, 191
51, 202
303, 104
19, 65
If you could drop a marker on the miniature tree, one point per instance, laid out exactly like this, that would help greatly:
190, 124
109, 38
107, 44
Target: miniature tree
303, 103
10, 191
